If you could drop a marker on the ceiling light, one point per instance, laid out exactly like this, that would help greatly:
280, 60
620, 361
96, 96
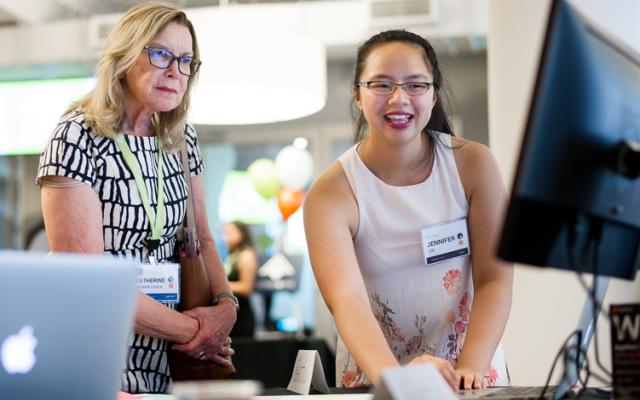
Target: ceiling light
252, 76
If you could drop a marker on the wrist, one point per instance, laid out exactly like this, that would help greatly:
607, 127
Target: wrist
468, 365
194, 328
226, 297
229, 302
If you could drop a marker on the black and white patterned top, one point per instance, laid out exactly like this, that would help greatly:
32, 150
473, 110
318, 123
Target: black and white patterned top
76, 152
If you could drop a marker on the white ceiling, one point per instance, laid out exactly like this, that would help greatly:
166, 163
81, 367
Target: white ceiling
19, 12
74, 30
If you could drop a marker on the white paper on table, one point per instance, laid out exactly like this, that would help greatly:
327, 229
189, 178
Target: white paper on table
307, 373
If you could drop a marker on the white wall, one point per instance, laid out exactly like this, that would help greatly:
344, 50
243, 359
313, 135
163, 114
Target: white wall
547, 302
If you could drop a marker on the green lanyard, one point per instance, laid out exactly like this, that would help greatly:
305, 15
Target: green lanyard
156, 222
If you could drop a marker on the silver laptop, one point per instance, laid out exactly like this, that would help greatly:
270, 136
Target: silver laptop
568, 386
64, 325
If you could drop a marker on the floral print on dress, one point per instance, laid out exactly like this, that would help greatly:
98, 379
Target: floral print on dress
407, 344
491, 377
464, 307
458, 329
384, 316
417, 344
452, 281
352, 377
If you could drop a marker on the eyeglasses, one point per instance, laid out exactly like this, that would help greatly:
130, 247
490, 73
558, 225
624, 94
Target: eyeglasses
163, 59
388, 87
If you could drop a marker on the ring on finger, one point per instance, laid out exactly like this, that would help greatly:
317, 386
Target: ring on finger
202, 356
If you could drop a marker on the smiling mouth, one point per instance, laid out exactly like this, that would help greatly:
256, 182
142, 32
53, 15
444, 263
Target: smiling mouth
399, 118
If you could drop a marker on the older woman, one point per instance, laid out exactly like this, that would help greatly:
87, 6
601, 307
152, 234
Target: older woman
92, 203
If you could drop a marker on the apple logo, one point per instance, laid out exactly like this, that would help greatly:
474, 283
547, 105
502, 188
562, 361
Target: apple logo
17, 352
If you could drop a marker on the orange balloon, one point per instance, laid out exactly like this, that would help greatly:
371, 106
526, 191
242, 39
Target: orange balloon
289, 201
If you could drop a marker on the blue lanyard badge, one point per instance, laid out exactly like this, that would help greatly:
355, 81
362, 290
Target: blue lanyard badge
160, 281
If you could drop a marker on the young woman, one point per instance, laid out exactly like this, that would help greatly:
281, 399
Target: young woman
402, 229
241, 266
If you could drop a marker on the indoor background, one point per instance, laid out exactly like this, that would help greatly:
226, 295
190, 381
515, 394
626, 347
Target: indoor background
488, 50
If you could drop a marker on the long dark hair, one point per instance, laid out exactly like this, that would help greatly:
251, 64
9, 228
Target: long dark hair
246, 241
439, 120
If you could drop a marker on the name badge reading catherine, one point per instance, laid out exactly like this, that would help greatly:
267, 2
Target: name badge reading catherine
445, 241
160, 281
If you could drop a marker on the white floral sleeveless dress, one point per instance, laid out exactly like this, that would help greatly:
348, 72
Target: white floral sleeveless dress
421, 310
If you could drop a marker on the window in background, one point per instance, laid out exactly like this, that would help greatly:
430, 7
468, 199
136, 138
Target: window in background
10, 180
240, 201
4, 202
29, 111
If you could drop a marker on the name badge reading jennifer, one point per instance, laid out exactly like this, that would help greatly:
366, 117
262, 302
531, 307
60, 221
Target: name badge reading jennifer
160, 281
445, 241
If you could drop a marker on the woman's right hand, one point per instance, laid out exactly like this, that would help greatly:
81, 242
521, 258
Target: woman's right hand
443, 366
215, 323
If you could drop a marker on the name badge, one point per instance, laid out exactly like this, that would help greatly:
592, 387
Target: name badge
445, 241
160, 281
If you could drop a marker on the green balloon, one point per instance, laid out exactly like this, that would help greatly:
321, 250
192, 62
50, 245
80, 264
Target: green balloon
264, 177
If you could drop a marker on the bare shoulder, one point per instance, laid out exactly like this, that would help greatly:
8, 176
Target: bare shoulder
476, 164
332, 185
470, 152
248, 252
248, 256
331, 198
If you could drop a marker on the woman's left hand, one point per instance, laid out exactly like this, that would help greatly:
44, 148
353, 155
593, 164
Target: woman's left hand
212, 340
469, 379
223, 357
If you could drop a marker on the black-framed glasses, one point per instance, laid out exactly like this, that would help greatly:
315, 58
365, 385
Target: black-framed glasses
163, 58
388, 87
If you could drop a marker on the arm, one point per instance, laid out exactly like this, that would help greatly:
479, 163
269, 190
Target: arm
331, 220
73, 220
492, 278
247, 265
213, 263
218, 320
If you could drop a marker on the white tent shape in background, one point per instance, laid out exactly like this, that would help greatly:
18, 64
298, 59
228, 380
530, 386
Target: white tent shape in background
277, 273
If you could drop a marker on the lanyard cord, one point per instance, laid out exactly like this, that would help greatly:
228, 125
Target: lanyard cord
156, 222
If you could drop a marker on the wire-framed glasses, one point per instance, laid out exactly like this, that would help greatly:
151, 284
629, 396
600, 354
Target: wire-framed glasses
163, 58
388, 87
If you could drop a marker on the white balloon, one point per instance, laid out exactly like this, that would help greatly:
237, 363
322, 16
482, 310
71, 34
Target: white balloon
294, 167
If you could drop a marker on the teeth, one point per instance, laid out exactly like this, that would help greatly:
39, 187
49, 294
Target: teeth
398, 117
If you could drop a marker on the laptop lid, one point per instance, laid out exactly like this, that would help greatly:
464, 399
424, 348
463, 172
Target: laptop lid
65, 320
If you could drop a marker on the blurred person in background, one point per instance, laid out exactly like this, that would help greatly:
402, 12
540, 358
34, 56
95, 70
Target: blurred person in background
242, 266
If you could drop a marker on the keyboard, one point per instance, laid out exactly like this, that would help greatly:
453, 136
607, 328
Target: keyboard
521, 392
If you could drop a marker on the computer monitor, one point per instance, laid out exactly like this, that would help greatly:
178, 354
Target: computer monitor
575, 202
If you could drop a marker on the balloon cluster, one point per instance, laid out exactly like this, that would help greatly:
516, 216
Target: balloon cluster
284, 178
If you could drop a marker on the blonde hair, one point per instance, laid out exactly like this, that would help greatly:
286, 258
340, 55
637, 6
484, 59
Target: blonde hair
103, 107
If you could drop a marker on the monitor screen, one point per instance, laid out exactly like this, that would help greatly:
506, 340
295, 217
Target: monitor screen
575, 201
29, 111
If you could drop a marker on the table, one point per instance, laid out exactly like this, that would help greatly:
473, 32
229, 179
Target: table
590, 394
271, 361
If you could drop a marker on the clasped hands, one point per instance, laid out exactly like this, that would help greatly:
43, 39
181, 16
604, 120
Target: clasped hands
457, 378
211, 341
